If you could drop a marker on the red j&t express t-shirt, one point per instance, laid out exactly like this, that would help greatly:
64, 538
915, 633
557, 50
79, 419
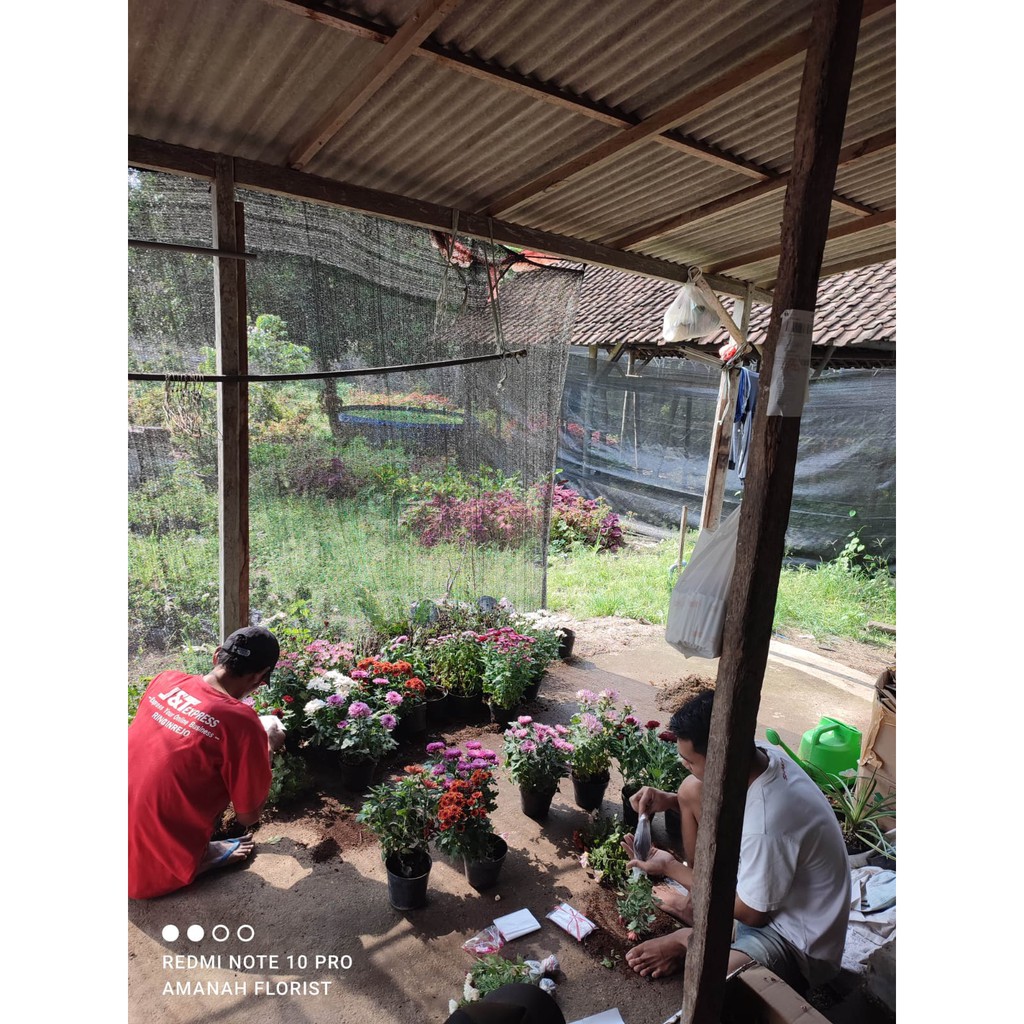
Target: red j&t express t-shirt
191, 750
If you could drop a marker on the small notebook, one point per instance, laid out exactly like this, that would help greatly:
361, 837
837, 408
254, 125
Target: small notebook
608, 1017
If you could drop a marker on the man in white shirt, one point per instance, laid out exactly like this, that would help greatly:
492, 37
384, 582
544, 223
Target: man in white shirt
793, 884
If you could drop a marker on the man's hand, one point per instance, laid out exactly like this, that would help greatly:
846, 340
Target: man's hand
276, 732
659, 862
649, 801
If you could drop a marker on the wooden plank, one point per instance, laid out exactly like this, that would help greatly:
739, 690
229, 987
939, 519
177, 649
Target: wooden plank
768, 492
772, 58
718, 457
381, 69
161, 156
852, 227
243, 423
232, 434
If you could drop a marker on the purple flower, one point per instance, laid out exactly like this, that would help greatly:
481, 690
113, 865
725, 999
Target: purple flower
521, 734
524, 719
464, 766
438, 769
561, 730
586, 695
399, 640
381, 681
393, 698
527, 746
360, 673
479, 763
360, 710
342, 724
433, 748
488, 755
591, 723
335, 699
452, 754
388, 721
612, 695
472, 745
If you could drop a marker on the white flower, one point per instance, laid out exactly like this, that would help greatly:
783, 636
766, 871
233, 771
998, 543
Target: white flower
314, 705
469, 991
340, 682
320, 685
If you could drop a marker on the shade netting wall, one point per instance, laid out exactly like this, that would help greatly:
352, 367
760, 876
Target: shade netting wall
367, 493
642, 443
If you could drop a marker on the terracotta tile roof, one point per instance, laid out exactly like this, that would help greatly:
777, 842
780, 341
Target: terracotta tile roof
857, 308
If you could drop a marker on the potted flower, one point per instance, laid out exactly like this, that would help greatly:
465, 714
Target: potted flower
638, 908
507, 666
402, 814
435, 696
454, 663
546, 643
590, 733
359, 734
646, 757
468, 796
860, 808
381, 680
536, 757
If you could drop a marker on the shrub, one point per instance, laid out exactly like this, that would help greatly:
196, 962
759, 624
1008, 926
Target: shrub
581, 522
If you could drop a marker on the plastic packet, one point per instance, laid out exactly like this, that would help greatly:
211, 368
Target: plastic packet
487, 941
641, 842
689, 316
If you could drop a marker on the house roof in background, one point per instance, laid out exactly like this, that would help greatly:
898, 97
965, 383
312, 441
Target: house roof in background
855, 311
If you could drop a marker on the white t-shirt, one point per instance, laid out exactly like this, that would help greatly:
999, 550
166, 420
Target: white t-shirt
793, 861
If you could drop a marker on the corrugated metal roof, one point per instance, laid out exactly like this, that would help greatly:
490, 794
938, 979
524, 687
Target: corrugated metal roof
502, 92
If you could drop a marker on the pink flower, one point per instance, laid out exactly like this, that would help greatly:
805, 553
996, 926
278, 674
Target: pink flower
342, 724
393, 698
524, 719
433, 748
586, 695
360, 673
381, 681
359, 710
527, 746
388, 721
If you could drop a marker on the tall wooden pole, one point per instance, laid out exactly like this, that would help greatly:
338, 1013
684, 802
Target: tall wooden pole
768, 492
232, 404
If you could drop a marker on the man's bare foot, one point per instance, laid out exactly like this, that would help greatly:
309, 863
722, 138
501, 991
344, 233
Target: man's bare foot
660, 957
675, 903
222, 852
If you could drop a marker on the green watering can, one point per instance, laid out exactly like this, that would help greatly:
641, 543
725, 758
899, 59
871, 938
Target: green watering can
831, 746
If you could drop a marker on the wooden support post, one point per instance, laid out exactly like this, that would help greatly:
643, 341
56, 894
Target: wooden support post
750, 606
718, 458
232, 405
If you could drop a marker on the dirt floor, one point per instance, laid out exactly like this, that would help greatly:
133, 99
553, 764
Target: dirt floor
303, 932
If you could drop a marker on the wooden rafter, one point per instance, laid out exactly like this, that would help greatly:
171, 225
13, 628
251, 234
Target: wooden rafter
851, 154
840, 231
771, 59
545, 92
395, 53
149, 154
831, 269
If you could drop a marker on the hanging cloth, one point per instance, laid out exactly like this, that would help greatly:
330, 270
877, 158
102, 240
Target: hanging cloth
743, 422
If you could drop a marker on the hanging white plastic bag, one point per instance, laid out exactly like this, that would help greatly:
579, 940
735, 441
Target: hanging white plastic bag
689, 316
696, 609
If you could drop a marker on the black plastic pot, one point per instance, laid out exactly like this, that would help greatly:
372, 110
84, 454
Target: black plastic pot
565, 647
407, 880
483, 874
629, 816
530, 693
589, 793
437, 710
356, 775
470, 708
501, 716
536, 803
674, 828
412, 723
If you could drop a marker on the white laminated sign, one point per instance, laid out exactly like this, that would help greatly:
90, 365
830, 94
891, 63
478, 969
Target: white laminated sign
791, 369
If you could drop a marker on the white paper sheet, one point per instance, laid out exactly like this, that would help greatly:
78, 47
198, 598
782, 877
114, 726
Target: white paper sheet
608, 1017
513, 925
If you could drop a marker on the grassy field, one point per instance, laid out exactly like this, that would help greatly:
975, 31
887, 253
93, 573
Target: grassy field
830, 600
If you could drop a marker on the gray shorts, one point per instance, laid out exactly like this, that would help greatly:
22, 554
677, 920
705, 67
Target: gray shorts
771, 950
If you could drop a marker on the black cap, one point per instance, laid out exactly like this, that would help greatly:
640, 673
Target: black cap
251, 649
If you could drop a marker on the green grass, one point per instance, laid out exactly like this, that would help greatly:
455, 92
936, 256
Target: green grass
823, 601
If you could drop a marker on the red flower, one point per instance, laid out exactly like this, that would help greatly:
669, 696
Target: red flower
668, 736
287, 699
652, 724
277, 711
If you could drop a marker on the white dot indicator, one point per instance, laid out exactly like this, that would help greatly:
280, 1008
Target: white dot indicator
195, 932
170, 933
219, 932
250, 933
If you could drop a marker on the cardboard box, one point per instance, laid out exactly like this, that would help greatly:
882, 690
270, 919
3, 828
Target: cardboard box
757, 996
880, 740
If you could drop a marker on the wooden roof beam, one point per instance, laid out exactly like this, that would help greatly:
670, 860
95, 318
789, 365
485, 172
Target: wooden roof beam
770, 251
831, 269
395, 53
850, 155
150, 154
524, 85
771, 59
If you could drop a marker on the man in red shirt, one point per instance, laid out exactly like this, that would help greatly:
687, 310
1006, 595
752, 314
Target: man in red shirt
193, 748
